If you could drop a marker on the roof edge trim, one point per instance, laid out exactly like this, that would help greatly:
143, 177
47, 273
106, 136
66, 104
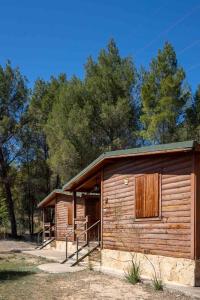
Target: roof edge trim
147, 150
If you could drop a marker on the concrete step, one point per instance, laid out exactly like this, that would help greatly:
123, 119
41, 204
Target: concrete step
82, 254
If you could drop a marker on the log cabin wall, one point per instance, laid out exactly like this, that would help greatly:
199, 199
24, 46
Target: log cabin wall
197, 206
80, 207
63, 208
172, 234
80, 215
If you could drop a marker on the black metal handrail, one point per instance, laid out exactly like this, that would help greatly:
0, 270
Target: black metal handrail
93, 225
72, 231
87, 241
42, 231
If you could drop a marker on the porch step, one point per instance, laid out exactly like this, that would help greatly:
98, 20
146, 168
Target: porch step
45, 243
83, 252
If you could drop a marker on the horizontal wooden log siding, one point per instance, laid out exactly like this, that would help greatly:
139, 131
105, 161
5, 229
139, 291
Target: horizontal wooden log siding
62, 227
171, 234
80, 213
80, 207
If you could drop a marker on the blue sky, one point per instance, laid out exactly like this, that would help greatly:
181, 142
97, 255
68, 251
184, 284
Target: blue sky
47, 37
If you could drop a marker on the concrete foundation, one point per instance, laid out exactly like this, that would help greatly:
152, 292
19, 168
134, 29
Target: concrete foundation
171, 270
61, 246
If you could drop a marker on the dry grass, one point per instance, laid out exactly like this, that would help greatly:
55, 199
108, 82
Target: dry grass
20, 279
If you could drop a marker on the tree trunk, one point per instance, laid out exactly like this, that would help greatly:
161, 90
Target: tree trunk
32, 216
58, 184
7, 188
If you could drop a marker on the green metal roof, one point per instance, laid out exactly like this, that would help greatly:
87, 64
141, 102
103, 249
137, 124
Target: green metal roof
179, 146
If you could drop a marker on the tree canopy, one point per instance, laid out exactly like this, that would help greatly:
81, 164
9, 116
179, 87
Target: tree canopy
52, 131
163, 97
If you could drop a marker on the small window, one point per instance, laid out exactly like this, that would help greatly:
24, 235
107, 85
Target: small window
147, 196
69, 207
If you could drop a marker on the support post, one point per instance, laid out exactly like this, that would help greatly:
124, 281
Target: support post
43, 217
77, 249
66, 247
86, 227
74, 213
98, 228
101, 223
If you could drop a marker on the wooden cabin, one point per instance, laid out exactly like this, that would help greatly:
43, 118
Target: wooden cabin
57, 215
148, 207
141, 203
63, 217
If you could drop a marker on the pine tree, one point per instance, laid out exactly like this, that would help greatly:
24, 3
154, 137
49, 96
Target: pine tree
93, 115
13, 101
193, 117
110, 82
163, 98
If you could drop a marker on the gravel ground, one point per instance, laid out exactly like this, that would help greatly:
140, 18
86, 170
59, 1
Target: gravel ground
11, 245
21, 279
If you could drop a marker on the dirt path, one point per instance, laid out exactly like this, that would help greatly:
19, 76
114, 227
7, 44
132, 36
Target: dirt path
21, 279
11, 245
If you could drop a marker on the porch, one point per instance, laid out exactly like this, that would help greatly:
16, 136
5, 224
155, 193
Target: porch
86, 231
72, 225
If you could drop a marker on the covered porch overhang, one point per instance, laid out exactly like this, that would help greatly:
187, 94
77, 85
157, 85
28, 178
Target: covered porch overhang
50, 200
48, 207
89, 190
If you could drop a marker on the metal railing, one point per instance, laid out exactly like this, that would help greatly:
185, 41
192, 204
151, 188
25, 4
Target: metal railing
96, 224
41, 234
39, 238
73, 231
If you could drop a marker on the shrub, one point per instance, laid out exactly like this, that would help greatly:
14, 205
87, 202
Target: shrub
157, 284
133, 273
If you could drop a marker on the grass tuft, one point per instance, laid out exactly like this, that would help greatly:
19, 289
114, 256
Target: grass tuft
157, 284
133, 273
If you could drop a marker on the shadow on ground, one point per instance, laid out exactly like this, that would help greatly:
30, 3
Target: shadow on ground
13, 274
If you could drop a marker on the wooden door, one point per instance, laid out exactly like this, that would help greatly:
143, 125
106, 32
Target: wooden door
93, 211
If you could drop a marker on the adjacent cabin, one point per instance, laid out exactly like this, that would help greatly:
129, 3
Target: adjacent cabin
146, 203
57, 215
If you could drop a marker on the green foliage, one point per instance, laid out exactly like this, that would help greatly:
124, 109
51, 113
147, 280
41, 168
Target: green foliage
110, 83
49, 134
163, 97
157, 284
157, 281
132, 275
34, 175
193, 117
13, 101
67, 130
93, 115
4, 218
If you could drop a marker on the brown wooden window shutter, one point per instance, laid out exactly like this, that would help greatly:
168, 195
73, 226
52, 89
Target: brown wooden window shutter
69, 207
140, 196
147, 196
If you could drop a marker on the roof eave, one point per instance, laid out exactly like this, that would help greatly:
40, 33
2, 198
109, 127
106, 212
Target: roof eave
50, 197
111, 155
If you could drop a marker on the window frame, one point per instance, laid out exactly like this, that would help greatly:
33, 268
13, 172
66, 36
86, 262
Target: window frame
147, 219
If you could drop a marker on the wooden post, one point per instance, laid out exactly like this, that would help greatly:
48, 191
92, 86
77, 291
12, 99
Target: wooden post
74, 212
98, 233
77, 249
66, 247
101, 223
86, 233
55, 219
43, 217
